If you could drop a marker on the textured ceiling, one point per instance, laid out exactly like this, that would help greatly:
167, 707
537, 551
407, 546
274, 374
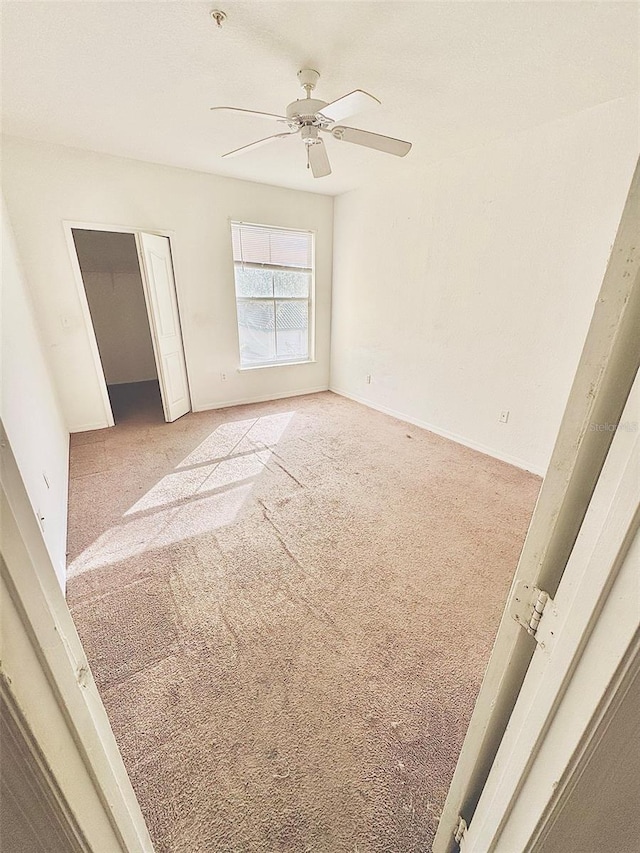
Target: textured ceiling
137, 78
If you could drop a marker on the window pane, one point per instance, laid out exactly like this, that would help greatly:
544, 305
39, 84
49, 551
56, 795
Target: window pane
252, 282
256, 330
292, 330
273, 269
291, 284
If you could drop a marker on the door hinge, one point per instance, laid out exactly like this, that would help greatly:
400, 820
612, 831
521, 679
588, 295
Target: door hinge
459, 830
527, 606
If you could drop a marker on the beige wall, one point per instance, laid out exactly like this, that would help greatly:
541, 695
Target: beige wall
466, 288
29, 406
47, 184
121, 324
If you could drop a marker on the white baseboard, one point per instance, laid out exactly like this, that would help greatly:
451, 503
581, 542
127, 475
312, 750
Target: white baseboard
261, 399
225, 404
459, 439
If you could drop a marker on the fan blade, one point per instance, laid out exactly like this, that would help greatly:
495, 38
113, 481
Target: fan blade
250, 112
256, 144
372, 140
348, 105
319, 160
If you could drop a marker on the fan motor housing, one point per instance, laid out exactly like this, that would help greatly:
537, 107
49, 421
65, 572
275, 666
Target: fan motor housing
305, 109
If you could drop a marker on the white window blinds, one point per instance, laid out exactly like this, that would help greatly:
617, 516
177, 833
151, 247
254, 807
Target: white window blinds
262, 246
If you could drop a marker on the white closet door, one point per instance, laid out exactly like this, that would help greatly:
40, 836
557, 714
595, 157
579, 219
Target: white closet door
162, 305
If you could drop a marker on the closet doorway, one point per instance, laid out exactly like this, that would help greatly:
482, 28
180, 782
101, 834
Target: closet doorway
127, 287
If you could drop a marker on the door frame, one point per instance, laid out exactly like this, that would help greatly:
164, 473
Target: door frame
45, 673
135, 231
586, 654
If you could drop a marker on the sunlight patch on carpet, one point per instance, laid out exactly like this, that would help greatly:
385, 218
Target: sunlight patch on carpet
205, 492
162, 528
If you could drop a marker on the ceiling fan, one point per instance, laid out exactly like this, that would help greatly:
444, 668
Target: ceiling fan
309, 117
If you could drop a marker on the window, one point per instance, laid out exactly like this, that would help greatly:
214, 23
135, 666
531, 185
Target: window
273, 270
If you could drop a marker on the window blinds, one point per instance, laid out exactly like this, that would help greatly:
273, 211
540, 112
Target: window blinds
265, 247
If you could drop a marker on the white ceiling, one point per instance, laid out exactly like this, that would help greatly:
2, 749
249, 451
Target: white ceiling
137, 78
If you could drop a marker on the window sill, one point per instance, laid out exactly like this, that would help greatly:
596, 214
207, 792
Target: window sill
277, 364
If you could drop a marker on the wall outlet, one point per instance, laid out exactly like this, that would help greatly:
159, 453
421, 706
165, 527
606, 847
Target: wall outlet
504, 416
223, 377
367, 379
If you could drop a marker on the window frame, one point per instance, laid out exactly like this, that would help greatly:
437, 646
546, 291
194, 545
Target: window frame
310, 299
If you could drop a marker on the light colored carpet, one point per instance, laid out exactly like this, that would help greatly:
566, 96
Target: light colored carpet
288, 608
